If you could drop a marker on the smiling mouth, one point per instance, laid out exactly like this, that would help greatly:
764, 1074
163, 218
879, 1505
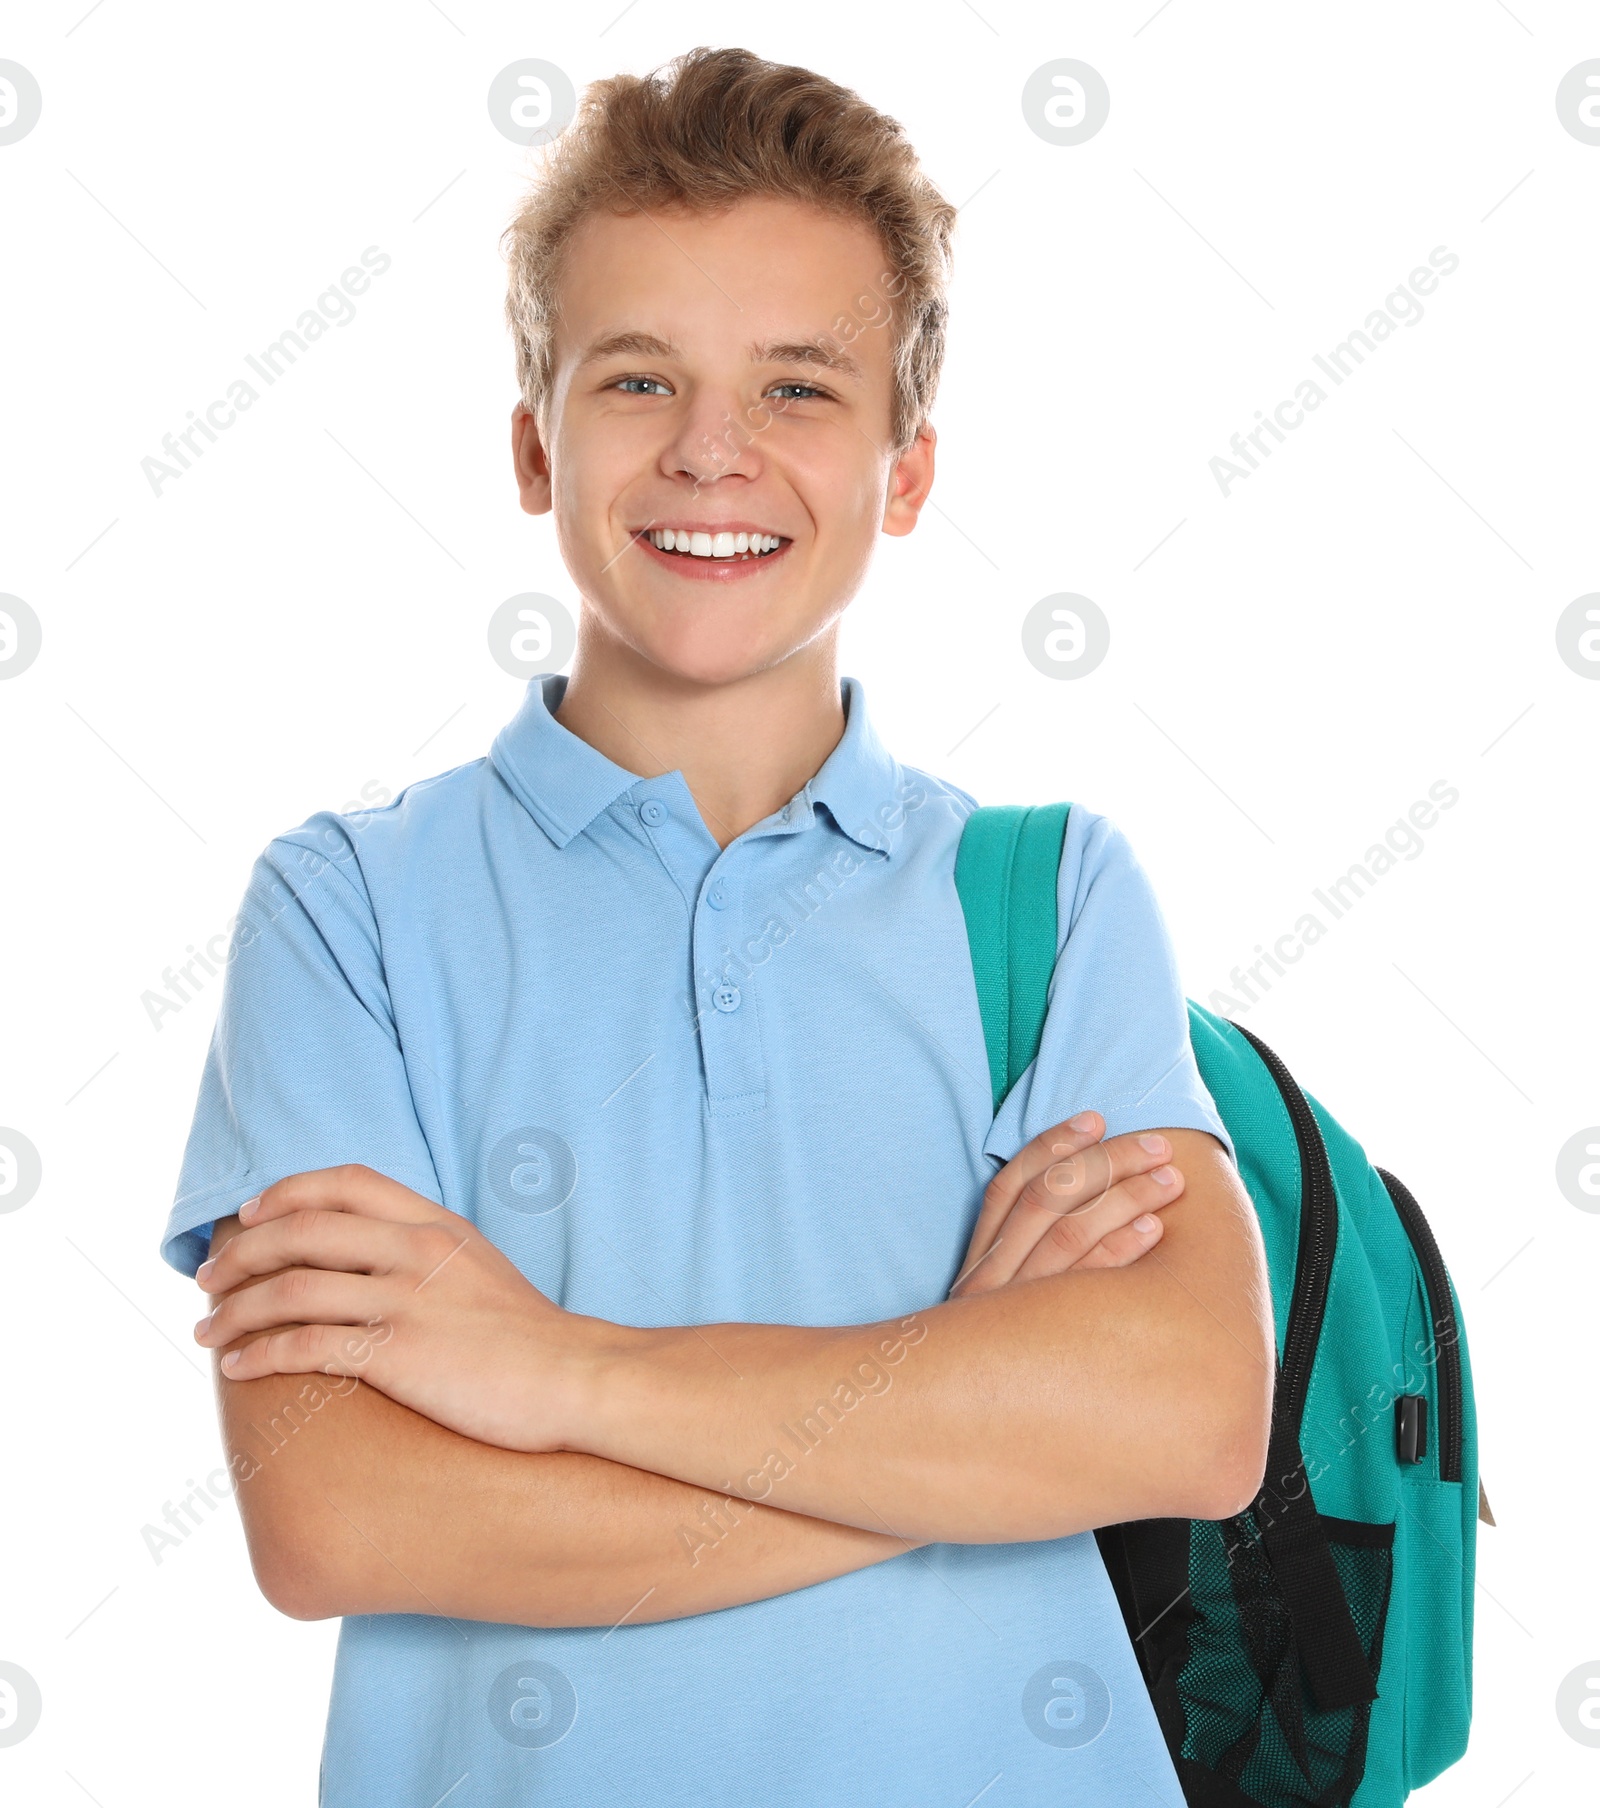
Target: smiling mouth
726, 547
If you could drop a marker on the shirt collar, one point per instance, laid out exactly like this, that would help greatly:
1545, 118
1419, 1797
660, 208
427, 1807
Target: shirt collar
861, 784
564, 783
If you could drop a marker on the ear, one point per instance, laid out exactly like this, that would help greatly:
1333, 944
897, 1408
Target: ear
910, 483
532, 462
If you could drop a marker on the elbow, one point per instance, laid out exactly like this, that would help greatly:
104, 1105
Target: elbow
1217, 1427
1234, 1403
307, 1566
296, 1588
1228, 1489
298, 1605
1236, 1465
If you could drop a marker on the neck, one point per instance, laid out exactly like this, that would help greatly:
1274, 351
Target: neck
744, 745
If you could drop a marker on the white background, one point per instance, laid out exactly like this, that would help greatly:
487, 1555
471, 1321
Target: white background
303, 613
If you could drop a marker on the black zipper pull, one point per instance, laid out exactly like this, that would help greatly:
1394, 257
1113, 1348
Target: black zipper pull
1411, 1427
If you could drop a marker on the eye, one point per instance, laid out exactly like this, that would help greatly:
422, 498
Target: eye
648, 386
805, 389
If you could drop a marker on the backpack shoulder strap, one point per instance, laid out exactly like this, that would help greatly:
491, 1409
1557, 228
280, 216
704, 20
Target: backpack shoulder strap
1006, 872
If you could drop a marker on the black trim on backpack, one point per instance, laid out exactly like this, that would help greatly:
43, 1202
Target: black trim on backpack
1445, 1325
1290, 1592
1330, 1647
1319, 1231
1148, 1563
1374, 1535
1203, 1788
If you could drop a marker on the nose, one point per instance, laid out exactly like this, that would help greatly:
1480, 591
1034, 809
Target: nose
716, 436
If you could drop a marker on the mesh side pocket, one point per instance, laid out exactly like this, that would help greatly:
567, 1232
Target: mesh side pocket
1252, 1734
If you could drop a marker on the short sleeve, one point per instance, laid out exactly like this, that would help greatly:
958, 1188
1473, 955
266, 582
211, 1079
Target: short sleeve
1116, 1030
305, 1068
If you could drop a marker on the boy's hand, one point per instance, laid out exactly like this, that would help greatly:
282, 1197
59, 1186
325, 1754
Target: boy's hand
1067, 1200
346, 1272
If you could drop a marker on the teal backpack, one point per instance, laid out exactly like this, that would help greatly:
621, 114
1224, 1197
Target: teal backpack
1314, 1650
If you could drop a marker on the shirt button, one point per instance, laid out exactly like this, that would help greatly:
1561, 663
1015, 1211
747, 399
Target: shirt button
717, 897
726, 998
653, 811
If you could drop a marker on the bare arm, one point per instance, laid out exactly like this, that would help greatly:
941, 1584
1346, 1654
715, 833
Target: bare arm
353, 1503
1035, 1411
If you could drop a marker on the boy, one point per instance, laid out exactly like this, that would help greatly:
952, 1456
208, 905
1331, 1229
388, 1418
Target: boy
616, 1108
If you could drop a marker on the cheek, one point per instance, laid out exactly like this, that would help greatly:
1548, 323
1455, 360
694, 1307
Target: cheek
861, 512
843, 496
577, 464
587, 481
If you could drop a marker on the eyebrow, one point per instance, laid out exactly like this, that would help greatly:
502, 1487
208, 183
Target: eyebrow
805, 351
773, 351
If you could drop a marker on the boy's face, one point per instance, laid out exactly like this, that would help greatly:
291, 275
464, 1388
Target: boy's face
683, 399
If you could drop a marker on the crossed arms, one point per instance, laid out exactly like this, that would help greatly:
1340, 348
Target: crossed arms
416, 1429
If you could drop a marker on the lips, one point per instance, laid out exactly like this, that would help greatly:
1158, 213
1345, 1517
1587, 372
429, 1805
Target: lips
717, 551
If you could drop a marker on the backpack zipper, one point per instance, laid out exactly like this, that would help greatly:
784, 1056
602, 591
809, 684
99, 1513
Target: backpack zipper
1333, 1658
1446, 1326
1319, 1221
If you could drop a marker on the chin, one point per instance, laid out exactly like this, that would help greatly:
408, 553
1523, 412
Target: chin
703, 645
716, 663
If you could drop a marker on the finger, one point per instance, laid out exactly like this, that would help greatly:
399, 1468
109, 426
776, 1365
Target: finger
1074, 1184
1066, 1211
1071, 1239
350, 1188
1032, 1159
1120, 1248
1072, 1189
300, 1296
305, 1239
1075, 1177
1077, 1182
1003, 1237
303, 1350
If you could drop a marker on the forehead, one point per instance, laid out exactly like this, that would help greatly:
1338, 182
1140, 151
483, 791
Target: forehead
764, 271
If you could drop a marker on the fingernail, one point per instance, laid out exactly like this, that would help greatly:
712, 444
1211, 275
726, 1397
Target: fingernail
1157, 1145
200, 1329
231, 1359
1145, 1224
249, 1209
204, 1272
1164, 1176
1083, 1121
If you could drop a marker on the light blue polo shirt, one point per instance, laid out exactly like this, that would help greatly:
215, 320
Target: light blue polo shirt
680, 1084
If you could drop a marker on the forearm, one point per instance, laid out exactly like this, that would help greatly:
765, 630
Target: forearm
353, 1504
965, 1434
1036, 1411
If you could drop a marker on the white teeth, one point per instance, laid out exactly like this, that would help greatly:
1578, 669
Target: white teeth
712, 546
